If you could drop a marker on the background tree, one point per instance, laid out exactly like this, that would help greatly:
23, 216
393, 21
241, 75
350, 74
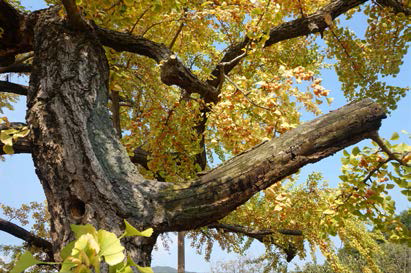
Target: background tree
176, 100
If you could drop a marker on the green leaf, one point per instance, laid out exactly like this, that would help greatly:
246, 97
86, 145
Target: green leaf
356, 150
66, 251
83, 229
389, 186
25, 261
144, 269
132, 231
130, 262
8, 149
395, 136
110, 246
6, 139
67, 266
86, 243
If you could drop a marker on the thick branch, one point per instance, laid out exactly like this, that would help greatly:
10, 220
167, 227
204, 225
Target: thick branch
25, 235
14, 88
16, 68
73, 15
397, 5
173, 71
23, 145
220, 191
309, 24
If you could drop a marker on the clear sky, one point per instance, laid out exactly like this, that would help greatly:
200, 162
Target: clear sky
19, 183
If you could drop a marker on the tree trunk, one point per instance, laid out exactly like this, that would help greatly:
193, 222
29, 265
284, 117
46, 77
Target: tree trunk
181, 265
88, 177
84, 170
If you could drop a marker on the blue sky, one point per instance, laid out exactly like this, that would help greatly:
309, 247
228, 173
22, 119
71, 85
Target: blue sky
20, 185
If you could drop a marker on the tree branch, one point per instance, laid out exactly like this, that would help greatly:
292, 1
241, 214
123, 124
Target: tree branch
73, 15
14, 88
290, 250
16, 68
235, 181
25, 235
17, 36
309, 24
377, 139
397, 6
256, 234
173, 71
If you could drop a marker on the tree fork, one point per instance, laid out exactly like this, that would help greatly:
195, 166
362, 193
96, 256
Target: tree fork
88, 177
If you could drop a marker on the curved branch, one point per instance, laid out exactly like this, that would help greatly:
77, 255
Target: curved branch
14, 88
173, 71
377, 139
309, 24
25, 235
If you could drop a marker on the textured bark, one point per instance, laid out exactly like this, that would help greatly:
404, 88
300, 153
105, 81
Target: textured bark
85, 172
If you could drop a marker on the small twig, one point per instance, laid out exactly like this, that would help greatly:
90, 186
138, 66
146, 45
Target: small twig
112, 6
170, 46
301, 9
377, 139
257, 234
376, 169
139, 18
353, 64
246, 95
180, 28
234, 60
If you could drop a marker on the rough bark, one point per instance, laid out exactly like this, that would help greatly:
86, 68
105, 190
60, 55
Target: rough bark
85, 172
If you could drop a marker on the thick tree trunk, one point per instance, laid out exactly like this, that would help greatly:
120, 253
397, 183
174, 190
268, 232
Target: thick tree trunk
87, 175
85, 172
